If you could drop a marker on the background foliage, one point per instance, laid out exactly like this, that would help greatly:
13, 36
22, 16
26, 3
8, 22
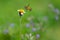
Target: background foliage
42, 23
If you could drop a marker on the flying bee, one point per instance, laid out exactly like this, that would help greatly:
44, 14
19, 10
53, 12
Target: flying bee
21, 12
28, 7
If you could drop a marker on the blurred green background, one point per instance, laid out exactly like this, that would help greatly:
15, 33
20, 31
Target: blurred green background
43, 22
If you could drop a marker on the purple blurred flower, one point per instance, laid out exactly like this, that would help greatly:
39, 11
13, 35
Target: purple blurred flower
37, 35
12, 25
56, 11
32, 23
45, 18
34, 29
27, 25
6, 31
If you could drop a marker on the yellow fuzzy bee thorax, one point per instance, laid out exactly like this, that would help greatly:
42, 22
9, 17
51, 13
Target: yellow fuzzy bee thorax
21, 10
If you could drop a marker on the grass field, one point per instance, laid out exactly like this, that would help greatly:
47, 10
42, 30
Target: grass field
42, 23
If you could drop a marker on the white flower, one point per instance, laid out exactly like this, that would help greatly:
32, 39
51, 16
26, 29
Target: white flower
29, 36
51, 6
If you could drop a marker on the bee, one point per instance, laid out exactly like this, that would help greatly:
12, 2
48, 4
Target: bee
21, 12
28, 7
